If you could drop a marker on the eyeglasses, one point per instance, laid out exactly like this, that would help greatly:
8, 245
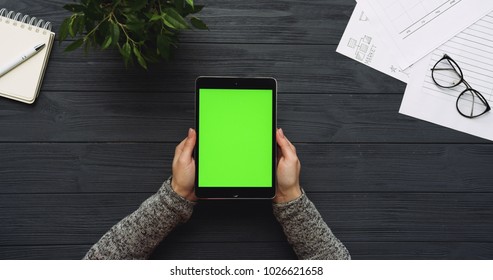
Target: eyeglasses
447, 74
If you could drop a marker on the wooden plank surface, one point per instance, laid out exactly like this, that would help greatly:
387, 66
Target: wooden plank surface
64, 219
298, 69
260, 21
359, 250
164, 117
41, 168
271, 250
100, 139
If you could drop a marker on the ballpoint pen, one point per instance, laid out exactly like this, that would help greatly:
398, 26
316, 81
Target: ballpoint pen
5, 68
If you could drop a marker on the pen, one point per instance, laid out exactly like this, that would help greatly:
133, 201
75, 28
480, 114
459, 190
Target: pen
4, 69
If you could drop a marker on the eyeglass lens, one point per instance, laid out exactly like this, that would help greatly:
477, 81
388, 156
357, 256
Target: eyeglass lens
447, 73
471, 103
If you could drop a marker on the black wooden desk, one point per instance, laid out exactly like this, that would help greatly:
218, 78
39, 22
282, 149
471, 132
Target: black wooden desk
100, 139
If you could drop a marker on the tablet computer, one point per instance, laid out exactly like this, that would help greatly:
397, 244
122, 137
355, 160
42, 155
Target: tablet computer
235, 153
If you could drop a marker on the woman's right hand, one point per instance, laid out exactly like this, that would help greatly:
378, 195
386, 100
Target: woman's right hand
288, 170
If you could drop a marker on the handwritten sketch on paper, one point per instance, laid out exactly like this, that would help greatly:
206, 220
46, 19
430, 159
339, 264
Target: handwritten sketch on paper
362, 43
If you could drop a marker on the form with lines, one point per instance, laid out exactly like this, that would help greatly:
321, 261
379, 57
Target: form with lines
472, 49
414, 28
431, 10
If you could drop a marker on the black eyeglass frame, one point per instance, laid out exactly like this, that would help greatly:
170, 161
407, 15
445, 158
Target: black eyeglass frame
457, 70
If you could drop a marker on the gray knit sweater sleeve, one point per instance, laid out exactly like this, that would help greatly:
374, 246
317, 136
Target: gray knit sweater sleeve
307, 232
136, 236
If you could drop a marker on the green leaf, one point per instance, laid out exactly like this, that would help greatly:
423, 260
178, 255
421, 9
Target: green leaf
74, 8
155, 17
137, 5
94, 11
144, 31
174, 20
179, 5
126, 52
101, 32
107, 42
163, 46
74, 45
190, 2
134, 23
77, 26
71, 25
140, 59
197, 23
115, 33
63, 31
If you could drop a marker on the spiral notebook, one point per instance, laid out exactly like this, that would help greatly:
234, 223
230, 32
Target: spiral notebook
19, 32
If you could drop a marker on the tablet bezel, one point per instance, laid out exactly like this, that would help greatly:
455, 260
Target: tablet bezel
236, 83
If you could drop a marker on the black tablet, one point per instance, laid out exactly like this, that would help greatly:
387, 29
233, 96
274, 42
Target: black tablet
235, 153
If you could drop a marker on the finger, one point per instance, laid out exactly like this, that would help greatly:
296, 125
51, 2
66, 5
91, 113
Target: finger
279, 153
291, 145
189, 144
289, 142
179, 149
283, 143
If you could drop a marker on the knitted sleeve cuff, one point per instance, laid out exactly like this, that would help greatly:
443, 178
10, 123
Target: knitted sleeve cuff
179, 205
290, 206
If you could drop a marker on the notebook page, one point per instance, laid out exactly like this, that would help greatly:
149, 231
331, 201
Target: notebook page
23, 82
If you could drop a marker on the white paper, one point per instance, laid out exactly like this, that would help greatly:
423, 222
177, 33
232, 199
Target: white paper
362, 43
472, 49
417, 27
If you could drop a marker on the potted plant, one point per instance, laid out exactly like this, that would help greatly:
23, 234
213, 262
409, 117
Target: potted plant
142, 30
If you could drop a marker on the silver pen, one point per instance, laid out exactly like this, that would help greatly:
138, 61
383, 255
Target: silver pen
5, 68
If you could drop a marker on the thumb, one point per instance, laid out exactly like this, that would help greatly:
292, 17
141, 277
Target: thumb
283, 143
189, 143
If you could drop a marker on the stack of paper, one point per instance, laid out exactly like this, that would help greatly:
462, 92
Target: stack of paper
392, 35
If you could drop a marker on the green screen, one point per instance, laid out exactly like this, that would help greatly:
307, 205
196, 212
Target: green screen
235, 138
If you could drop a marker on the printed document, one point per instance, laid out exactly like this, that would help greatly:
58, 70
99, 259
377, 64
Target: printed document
417, 27
472, 50
362, 43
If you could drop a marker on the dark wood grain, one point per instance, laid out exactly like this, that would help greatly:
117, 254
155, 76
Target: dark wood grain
421, 250
269, 250
264, 22
359, 250
298, 69
326, 168
100, 139
168, 250
43, 252
141, 116
63, 219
